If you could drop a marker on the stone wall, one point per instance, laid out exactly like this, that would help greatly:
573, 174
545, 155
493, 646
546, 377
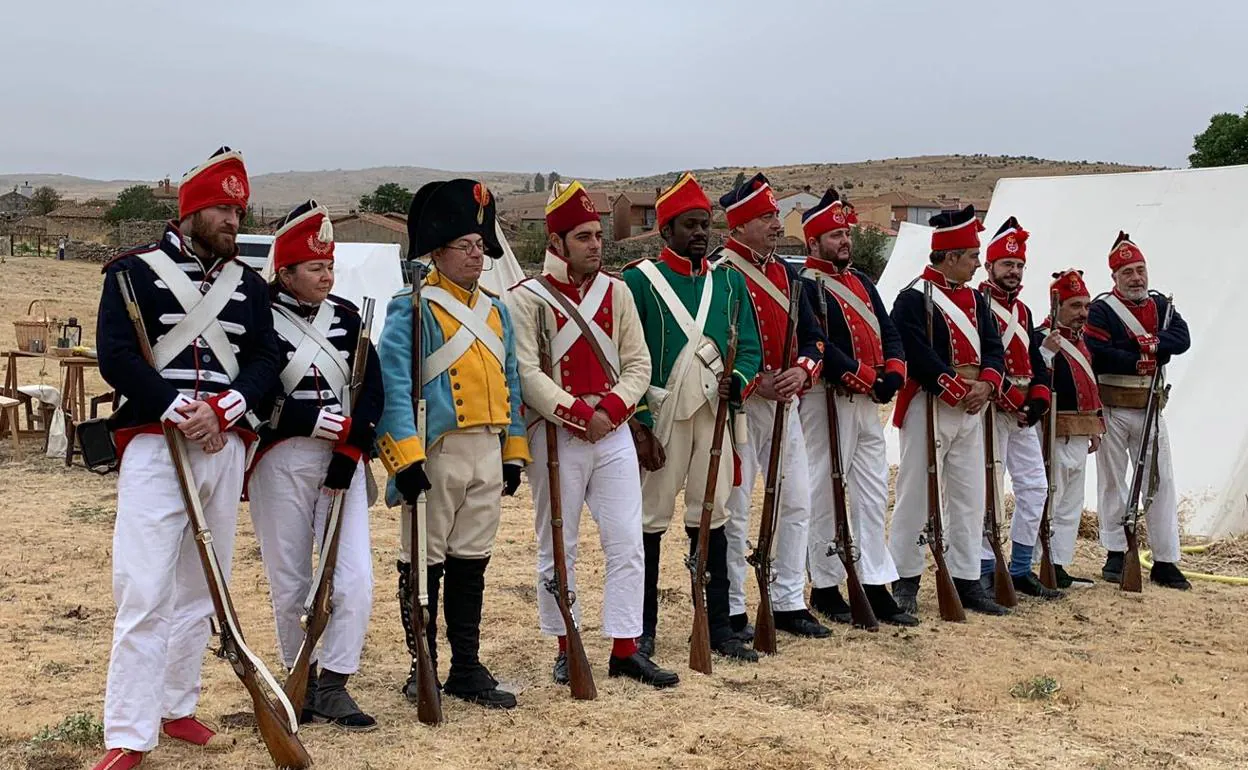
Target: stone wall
91, 252
138, 232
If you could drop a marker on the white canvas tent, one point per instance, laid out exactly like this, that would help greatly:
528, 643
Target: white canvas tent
1191, 227
375, 270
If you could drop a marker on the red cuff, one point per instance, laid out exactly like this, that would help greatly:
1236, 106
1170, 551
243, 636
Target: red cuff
1040, 392
747, 387
1148, 344
230, 406
953, 389
992, 377
811, 367
860, 381
1011, 398
578, 416
895, 366
615, 408
343, 448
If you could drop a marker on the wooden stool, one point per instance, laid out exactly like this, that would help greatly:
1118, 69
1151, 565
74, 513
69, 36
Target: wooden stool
9, 407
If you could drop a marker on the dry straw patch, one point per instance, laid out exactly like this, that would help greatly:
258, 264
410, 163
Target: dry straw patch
1146, 681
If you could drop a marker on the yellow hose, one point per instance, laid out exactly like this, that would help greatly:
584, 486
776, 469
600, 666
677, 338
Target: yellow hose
1146, 559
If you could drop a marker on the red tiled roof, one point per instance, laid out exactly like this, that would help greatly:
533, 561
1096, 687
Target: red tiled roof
388, 221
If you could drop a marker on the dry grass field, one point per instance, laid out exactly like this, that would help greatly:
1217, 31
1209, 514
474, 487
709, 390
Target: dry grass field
1098, 680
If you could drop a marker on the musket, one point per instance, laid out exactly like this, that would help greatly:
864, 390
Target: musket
428, 699
861, 614
319, 603
761, 558
580, 675
276, 719
1132, 579
946, 593
1048, 575
700, 639
1002, 583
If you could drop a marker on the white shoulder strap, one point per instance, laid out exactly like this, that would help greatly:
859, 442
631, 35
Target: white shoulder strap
1126, 316
312, 347
587, 309
846, 295
472, 326
693, 328
201, 311
1073, 353
1010, 317
956, 317
749, 270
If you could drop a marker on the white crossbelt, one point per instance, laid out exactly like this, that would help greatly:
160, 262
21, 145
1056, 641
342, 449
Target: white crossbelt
847, 296
1073, 353
693, 329
956, 317
749, 270
201, 311
1010, 317
312, 348
589, 306
472, 326
1126, 316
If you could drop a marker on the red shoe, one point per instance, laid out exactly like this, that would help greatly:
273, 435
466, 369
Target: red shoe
120, 759
195, 732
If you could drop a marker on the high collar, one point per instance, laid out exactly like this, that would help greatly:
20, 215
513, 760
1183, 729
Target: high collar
1002, 296
178, 245
466, 296
937, 278
827, 266
305, 309
748, 253
682, 265
556, 268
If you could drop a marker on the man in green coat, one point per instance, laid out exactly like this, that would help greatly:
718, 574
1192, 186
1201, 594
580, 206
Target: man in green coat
686, 309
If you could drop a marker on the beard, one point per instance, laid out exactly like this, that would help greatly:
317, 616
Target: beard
221, 242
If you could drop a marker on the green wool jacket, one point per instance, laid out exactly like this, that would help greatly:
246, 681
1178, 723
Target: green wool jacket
664, 336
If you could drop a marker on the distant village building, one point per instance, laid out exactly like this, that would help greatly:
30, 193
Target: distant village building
633, 214
903, 207
14, 203
165, 190
81, 222
800, 199
365, 227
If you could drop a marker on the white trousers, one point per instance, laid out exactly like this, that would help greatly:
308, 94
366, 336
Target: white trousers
789, 591
604, 476
1115, 462
688, 451
464, 506
163, 604
289, 511
960, 454
1019, 451
865, 465
1070, 459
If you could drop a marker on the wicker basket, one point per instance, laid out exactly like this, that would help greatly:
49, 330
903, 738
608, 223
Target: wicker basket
28, 330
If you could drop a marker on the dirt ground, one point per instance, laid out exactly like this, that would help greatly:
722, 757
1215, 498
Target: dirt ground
1149, 681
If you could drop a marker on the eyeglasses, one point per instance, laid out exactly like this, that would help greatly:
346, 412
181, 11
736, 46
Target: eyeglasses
468, 247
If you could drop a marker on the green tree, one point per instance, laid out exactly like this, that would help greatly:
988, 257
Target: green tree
868, 250
539, 182
45, 200
551, 179
138, 202
740, 180
1223, 143
390, 197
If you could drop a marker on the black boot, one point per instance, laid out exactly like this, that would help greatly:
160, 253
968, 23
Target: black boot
464, 593
560, 672
885, 609
336, 706
828, 603
1112, 571
742, 627
644, 670
653, 542
1030, 585
308, 711
1067, 580
724, 640
434, 573
976, 599
800, 623
1167, 575
906, 594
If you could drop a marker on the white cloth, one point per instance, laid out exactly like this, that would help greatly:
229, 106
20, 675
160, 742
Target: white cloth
1070, 458
789, 566
163, 604
606, 478
865, 464
1019, 451
289, 510
1115, 462
960, 457
464, 505
688, 451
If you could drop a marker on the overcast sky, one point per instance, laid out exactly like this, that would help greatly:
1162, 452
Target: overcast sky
140, 89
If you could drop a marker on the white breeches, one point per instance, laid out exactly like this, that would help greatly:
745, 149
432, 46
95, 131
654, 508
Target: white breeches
688, 451
960, 458
605, 477
1115, 463
289, 510
163, 604
865, 465
1070, 457
1020, 453
789, 546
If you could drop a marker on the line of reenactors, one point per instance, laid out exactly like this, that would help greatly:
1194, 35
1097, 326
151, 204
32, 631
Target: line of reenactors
632, 371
